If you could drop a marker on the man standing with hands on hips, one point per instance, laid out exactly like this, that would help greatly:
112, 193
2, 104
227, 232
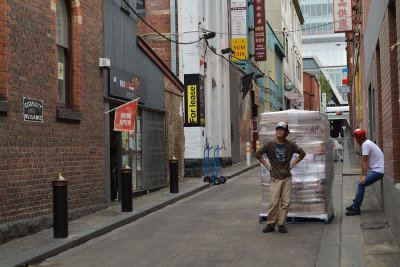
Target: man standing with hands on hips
279, 153
372, 159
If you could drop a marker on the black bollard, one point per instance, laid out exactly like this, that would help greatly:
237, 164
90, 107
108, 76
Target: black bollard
60, 207
173, 175
126, 189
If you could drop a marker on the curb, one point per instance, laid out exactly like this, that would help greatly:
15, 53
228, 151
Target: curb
58, 246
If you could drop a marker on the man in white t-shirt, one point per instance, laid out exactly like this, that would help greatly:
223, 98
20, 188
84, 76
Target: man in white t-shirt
372, 159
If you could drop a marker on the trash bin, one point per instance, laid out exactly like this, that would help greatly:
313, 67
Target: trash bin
173, 175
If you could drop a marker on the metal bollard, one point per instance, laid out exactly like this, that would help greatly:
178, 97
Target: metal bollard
257, 145
248, 153
126, 188
173, 175
60, 207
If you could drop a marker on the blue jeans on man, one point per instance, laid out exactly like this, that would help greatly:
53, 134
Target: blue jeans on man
371, 178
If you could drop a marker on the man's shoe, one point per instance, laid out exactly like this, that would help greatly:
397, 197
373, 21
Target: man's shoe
352, 212
282, 229
349, 207
268, 229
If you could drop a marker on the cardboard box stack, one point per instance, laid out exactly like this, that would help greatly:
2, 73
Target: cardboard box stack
312, 178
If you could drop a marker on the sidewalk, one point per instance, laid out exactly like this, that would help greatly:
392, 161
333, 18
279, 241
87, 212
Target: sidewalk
365, 240
38, 247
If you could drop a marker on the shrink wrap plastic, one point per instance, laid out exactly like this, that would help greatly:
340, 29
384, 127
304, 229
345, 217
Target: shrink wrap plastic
312, 177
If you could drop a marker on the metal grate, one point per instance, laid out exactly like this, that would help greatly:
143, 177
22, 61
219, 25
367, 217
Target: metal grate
153, 149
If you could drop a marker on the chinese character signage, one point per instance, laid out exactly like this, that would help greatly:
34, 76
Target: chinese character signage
342, 16
194, 100
127, 85
239, 29
259, 30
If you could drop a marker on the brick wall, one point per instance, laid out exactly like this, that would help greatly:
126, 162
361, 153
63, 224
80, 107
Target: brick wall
174, 126
390, 94
157, 14
31, 154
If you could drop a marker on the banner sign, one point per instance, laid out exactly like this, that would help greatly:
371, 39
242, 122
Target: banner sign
194, 100
127, 85
342, 16
239, 29
259, 30
33, 110
124, 120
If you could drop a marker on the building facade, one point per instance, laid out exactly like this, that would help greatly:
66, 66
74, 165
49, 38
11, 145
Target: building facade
137, 72
51, 111
286, 18
374, 73
319, 40
203, 33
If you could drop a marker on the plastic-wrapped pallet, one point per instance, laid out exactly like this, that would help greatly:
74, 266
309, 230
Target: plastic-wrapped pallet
312, 177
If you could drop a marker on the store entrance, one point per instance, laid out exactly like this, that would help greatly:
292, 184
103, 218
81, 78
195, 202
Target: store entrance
125, 148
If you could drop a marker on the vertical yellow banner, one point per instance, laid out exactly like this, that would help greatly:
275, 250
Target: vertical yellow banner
192, 103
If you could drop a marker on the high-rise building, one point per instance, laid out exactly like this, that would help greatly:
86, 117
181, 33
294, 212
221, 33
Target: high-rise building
319, 40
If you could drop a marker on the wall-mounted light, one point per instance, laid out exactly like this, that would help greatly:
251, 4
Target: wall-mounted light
251, 28
227, 50
209, 35
252, 55
104, 62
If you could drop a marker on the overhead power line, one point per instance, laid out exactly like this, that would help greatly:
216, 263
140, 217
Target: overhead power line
159, 33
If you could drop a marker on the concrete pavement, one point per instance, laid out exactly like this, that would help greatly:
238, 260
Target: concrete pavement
364, 240
38, 247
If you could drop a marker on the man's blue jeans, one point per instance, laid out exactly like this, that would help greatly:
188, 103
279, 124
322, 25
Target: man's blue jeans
371, 178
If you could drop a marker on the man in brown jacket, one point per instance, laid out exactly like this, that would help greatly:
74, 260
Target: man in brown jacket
279, 153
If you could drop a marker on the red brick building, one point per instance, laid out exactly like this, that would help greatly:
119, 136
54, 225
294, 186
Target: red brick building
160, 14
51, 110
311, 92
373, 60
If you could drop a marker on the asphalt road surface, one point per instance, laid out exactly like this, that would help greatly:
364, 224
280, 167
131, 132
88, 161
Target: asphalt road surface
216, 227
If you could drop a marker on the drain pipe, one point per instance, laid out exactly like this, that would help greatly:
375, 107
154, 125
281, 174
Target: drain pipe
173, 35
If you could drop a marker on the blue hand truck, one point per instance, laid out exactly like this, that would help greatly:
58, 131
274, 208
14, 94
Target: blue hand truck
217, 166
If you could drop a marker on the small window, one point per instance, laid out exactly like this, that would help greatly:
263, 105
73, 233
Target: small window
63, 54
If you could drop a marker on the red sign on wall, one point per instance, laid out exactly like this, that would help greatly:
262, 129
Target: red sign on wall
259, 30
125, 117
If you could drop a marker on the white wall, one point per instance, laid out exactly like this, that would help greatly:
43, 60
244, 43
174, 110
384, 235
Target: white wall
329, 54
195, 15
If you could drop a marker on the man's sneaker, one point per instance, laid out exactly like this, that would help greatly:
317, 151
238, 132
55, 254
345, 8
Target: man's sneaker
268, 229
349, 207
282, 229
352, 212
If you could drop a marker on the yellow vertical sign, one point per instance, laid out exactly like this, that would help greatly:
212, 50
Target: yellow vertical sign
239, 45
192, 103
